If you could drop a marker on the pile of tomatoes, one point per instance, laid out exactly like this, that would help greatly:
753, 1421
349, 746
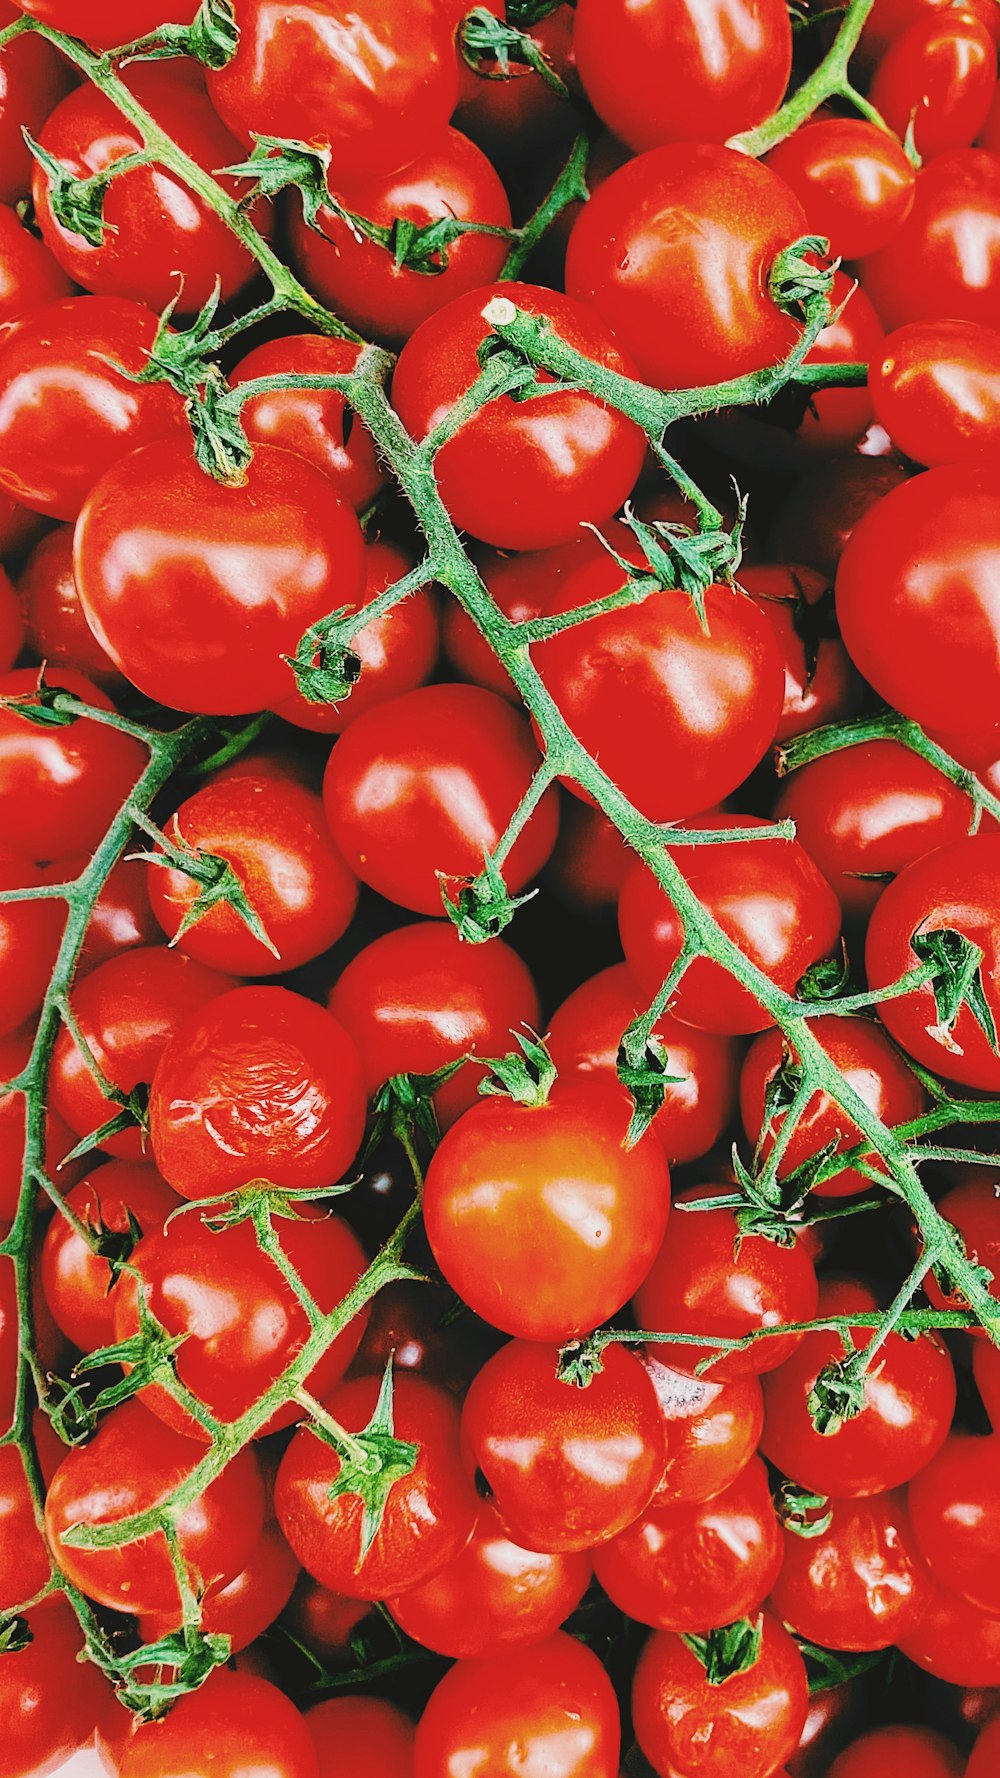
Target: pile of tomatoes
486, 1529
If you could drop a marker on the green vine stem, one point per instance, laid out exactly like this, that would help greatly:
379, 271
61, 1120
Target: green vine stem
887, 726
830, 80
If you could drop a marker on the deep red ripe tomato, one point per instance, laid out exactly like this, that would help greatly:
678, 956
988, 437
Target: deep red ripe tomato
973, 1208
263, 1084
707, 1279
591, 859
397, 652
197, 589
989, 135
29, 939
985, 1369
163, 243
25, 1566
377, 87
538, 1216
360, 280
60, 787
419, 997
106, 23
919, 1752
937, 80
861, 1584
33, 79
66, 415
561, 458
11, 625
953, 889
492, 1596
273, 834
237, 1721
325, 1621
953, 1505
567, 1467
836, 418
524, 584
820, 683
315, 423
748, 1725
870, 1065
674, 252
369, 1734
419, 788
55, 627
406, 1325
909, 1402
126, 1009
677, 72
14, 1053
936, 390
429, 1514
767, 896
852, 179
953, 234
133, 1462
518, 120
550, 1708
248, 1605
955, 1641
817, 517
866, 812
121, 919
713, 1429
696, 1566
18, 527
241, 1323
76, 1280
985, 1754
49, 1699
29, 276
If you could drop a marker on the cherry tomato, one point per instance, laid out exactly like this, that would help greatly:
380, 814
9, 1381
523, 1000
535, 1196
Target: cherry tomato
367, 1734
60, 787
713, 1429
936, 390
106, 23
953, 1505
816, 519
909, 1399
984, 1755
513, 115
263, 1084
18, 527
29, 939
852, 179
325, 1621
749, 1724
409, 1324
563, 459
955, 1641
952, 234
767, 896
820, 683
919, 1752
77, 1281
236, 1720
860, 1584
591, 859
49, 1699
973, 1208
549, 1709
429, 1514
15, 1051
11, 625
674, 252
25, 1566
418, 998
836, 418
421, 787
122, 918
133, 1462
29, 276
315, 423
246, 1606
936, 80
985, 1366
56, 629
538, 1216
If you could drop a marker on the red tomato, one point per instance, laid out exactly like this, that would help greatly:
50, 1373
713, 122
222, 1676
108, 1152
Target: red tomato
133, 1462
406, 1325
562, 458
973, 1208
30, 932
748, 1725
14, 1053
909, 1399
852, 179
429, 1514
539, 1218
816, 519
952, 234
262, 1085
820, 683
106, 23
985, 1755
523, 585
49, 1699
955, 1641
29, 276
420, 788
25, 1564
18, 526
515, 117
767, 896
937, 80
837, 418
368, 1734
77, 1281
953, 1505
591, 859
325, 1621
418, 998
549, 1709
122, 918
56, 629
315, 423
936, 390
248, 1605
919, 1752
61, 787
242, 1723
11, 626
862, 1584
707, 1279
985, 1365
713, 1429
674, 253
33, 78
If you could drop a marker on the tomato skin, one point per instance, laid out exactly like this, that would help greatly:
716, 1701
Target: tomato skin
955, 1641
315, 423
550, 1708
706, 1280
511, 1194
909, 1402
419, 997
429, 1515
426, 784
852, 179
689, 1729
49, 1700
234, 1723
519, 120
524, 584
919, 1752
77, 1281
953, 1505
261, 1084
820, 683
30, 932
984, 1755
248, 1605
29, 276
938, 77
56, 629
323, 1620
690, 303
33, 79
836, 418
768, 897
493, 1595
132, 1462
563, 459
15, 1050
60, 787
936, 390
713, 1430
25, 1566
860, 1585
973, 1208
122, 918
953, 234
104, 24
11, 626
364, 1734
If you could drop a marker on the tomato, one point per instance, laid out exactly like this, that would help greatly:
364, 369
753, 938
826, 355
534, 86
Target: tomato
953, 1505
15, 1051
748, 1725
420, 788
429, 1514
56, 629
122, 918
11, 625
524, 586
955, 1641
973, 1208
323, 1620
713, 1429
952, 889
492, 1596
549, 1709
60, 787
377, 86
197, 589
409, 1324
919, 1752
126, 1009
248, 1605
952, 234
708, 1279
767, 896
820, 683
18, 527
163, 244
236, 1722
263, 1084
315, 423
106, 23
273, 834
984, 1755
514, 116
860, 1584
49, 1699
25, 1566
77, 1281
677, 72
817, 517
909, 1398
30, 932
591, 858
133, 1462
562, 458
936, 390
418, 998
836, 418
539, 1218
367, 1734
852, 179
865, 813
937, 80
29, 276
33, 78
674, 252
